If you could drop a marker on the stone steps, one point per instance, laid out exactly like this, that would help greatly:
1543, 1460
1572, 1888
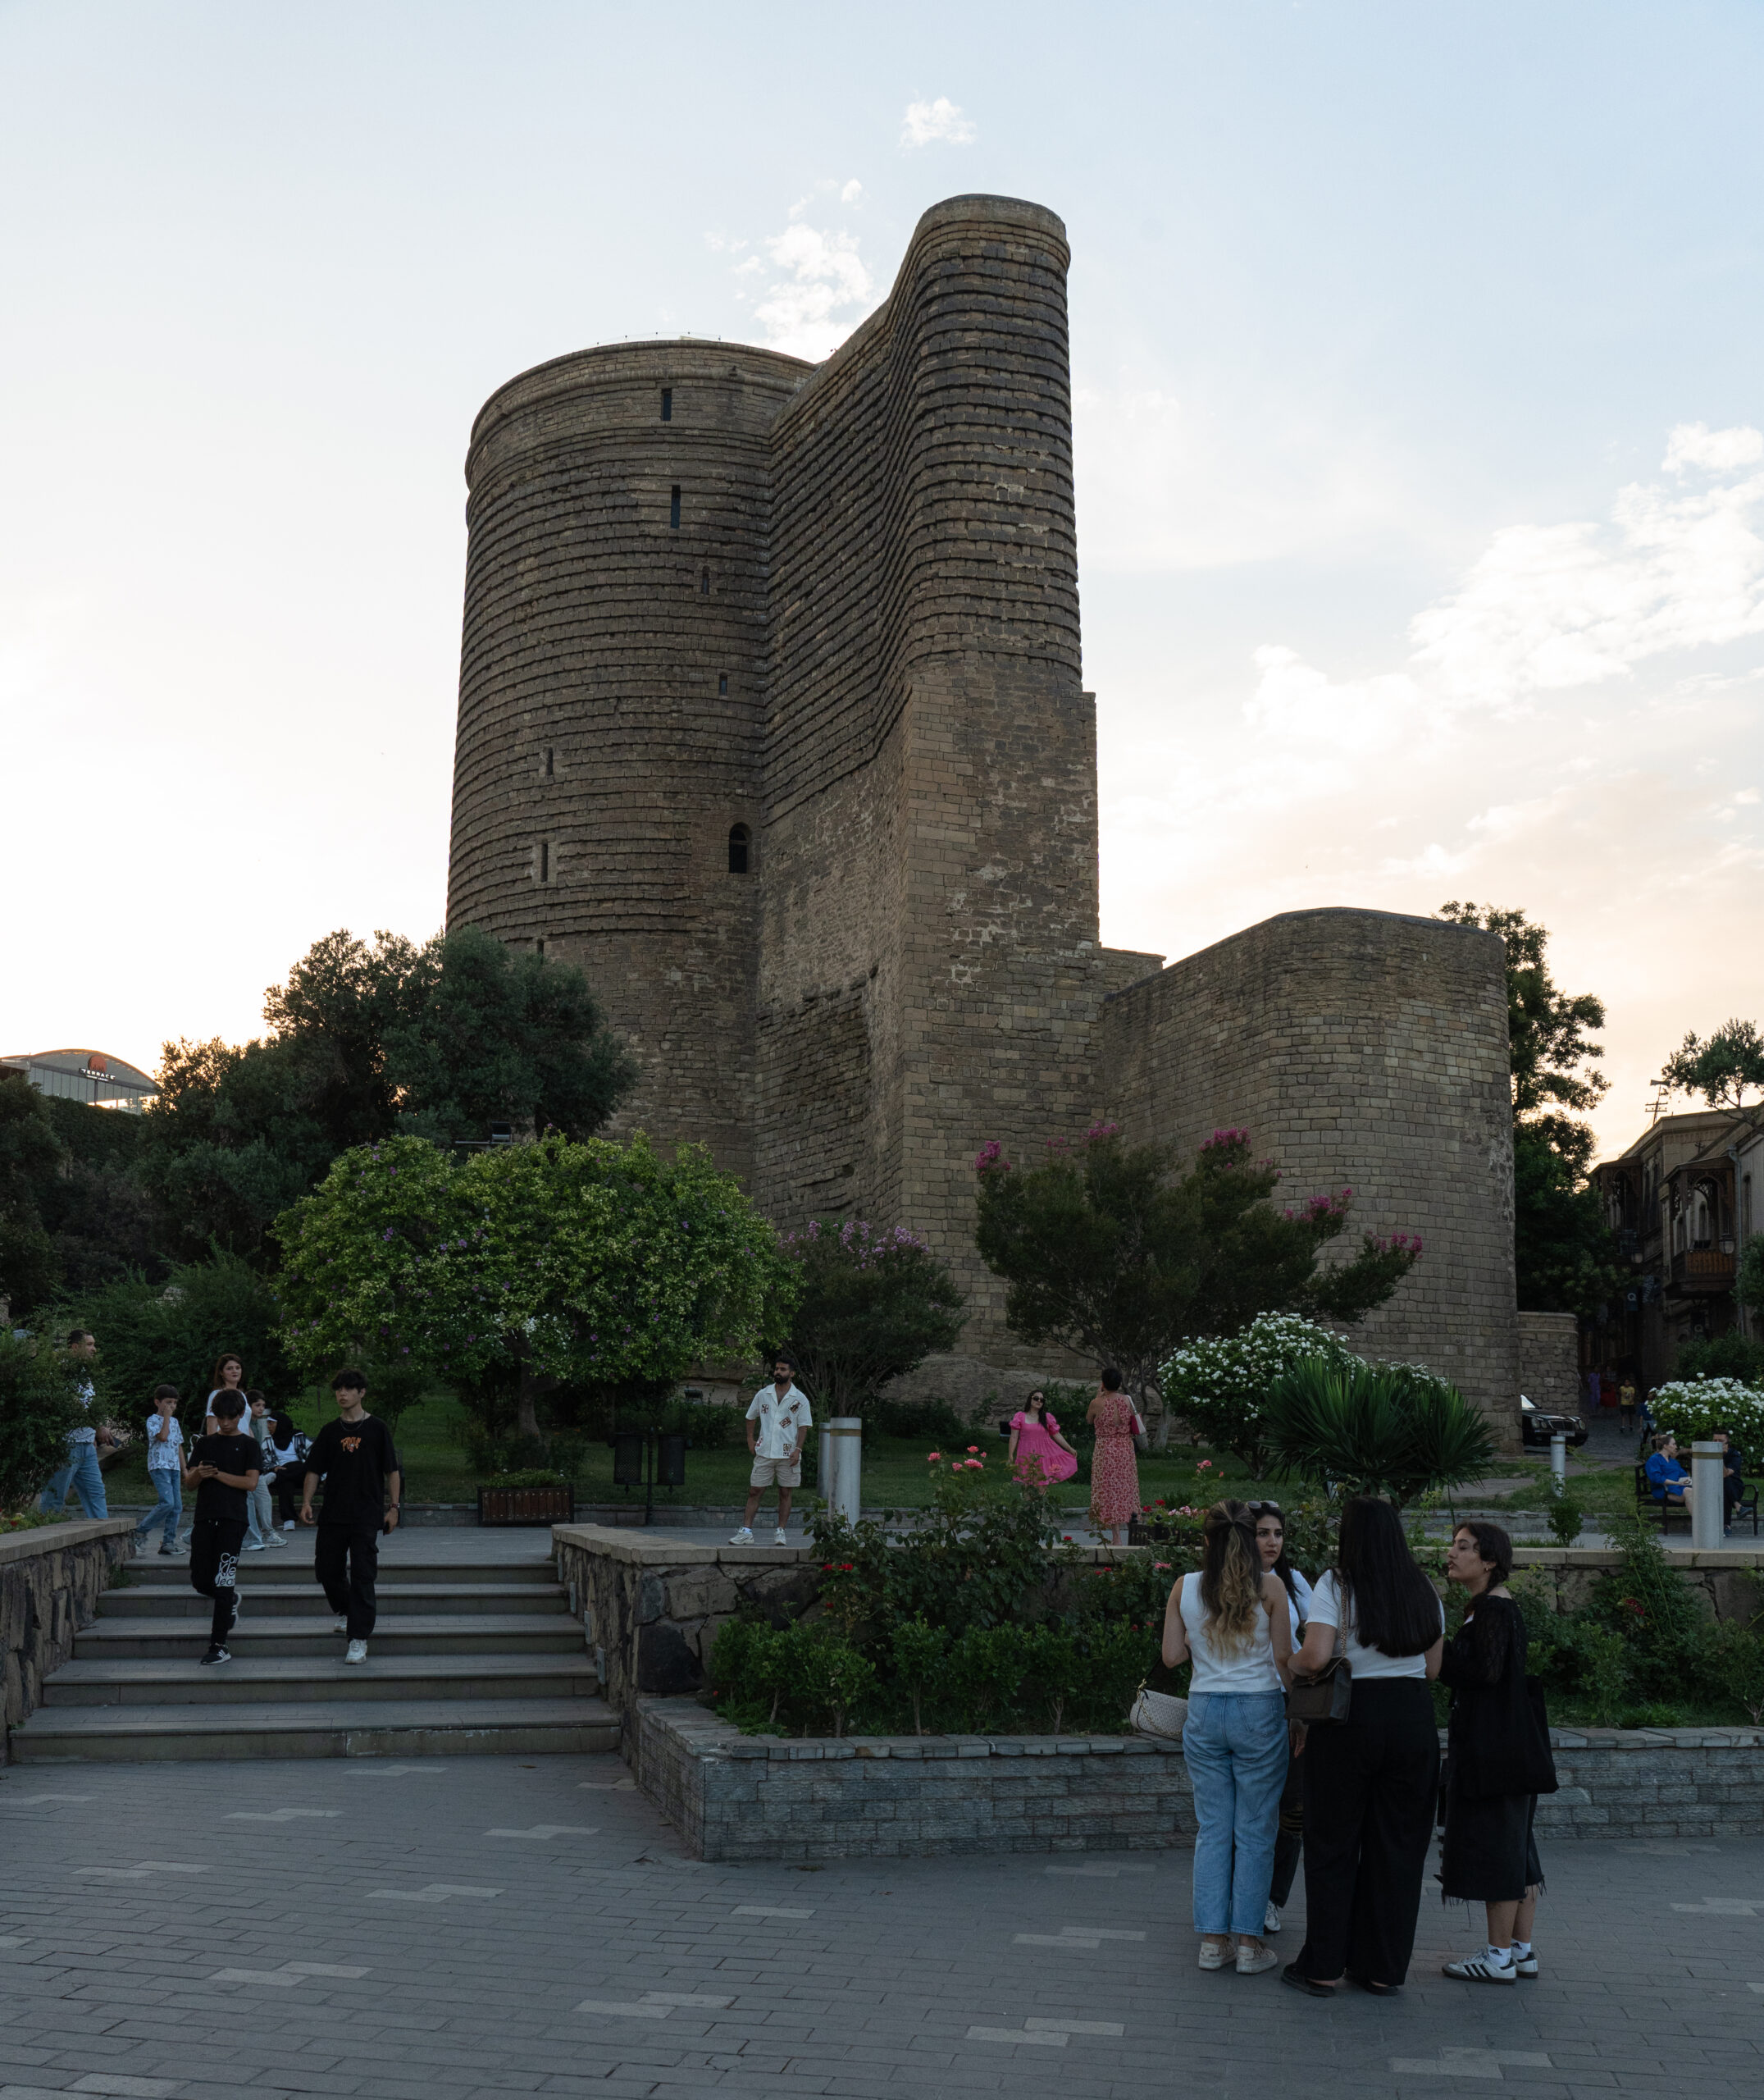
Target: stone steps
471, 1655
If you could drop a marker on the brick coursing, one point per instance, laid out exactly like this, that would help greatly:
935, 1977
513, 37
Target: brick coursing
879, 554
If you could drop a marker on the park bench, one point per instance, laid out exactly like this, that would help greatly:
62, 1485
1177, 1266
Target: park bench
1666, 1511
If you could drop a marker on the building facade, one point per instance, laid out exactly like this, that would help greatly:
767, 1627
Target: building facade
772, 717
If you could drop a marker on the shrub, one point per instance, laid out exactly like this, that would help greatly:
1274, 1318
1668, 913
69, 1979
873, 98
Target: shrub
1393, 1430
1565, 1520
1697, 1406
874, 1304
40, 1403
151, 1334
934, 1420
1731, 1355
531, 1476
1221, 1386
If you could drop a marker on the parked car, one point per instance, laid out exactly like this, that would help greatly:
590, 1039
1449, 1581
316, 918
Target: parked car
1538, 1425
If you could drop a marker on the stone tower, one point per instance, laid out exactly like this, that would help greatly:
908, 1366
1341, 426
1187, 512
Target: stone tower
772, 718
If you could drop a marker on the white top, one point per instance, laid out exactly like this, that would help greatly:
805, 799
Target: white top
1300, 1601
162, 1452
86, 1433
1252, 1670
779, 1420
1326, 1610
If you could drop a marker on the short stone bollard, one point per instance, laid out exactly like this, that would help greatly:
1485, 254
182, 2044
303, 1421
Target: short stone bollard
842, 1466
1709, 1511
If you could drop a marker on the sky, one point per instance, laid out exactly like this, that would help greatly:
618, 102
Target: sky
1419, 436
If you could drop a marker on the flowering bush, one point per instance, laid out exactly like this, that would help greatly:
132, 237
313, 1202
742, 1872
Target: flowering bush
1219, 1386
874, 1303
1697, 1406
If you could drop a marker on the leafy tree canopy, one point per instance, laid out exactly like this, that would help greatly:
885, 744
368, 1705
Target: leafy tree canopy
508, 1270
1724, 1070
39, 1388
1110, 1252
367, 1042
1552, 1059
29, 1153
171, 1332
875, 1303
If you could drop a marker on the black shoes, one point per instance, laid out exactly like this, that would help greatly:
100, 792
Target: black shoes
217, 1653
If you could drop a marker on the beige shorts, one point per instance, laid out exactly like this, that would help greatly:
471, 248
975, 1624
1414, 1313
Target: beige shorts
776, 1472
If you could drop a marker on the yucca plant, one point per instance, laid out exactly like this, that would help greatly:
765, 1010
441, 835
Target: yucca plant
1374, 1429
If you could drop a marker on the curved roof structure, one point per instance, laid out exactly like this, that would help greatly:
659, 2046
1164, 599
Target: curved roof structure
88, 1075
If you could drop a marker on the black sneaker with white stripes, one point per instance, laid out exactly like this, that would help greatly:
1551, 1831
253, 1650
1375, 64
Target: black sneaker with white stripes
217, 1653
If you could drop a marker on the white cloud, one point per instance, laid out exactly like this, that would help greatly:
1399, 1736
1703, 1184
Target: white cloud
820, 292
1720, 451
928, 123
852, 193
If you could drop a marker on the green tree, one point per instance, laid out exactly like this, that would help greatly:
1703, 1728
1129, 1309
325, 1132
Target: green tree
1724, 1070
874, 1304
170, 1332
39, 1388
512, 1271
1109, 1252
367, 1042
29, 1155
1565, 1259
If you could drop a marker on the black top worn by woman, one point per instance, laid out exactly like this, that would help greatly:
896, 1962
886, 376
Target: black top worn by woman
1497, 1758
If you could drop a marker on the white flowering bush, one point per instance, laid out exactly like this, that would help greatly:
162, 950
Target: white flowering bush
1218, 1385
1691, 1408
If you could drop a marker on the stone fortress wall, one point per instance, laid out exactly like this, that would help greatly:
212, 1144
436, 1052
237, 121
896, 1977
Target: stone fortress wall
857, 635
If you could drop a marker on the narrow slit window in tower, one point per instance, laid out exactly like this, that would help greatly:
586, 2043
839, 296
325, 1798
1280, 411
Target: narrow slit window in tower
722, 685
738, 849
550, 755
668, 404
539, 947
544, 860
704, 583
673, 509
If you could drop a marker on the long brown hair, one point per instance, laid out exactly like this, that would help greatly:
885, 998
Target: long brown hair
1231, 1577
229, 1356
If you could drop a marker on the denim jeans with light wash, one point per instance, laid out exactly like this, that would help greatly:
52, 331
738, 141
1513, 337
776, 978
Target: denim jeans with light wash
171, 1508
81, 1474
1234, 1744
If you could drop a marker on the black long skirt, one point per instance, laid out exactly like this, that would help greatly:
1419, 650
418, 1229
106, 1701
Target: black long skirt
1371, 1790
1488, 1853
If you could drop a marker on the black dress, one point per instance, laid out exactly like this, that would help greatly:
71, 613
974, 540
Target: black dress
1497, 1761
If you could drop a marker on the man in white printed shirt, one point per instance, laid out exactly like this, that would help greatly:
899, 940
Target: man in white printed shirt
777, 1422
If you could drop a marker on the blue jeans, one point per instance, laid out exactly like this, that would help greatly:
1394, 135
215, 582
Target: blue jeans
1234, 1744
165, 1479
81, 1474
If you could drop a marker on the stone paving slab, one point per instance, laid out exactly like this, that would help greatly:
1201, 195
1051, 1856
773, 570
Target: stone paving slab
455, 1928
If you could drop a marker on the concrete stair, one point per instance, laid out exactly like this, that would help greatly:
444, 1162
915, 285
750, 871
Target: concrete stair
468, 1657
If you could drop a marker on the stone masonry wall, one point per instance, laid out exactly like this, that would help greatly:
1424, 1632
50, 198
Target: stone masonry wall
1549, 1361
1361, 1050
51, 1579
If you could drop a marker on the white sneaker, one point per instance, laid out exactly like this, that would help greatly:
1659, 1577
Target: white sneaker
252, 1545
357, 1653
1256, 1960
275, 1538
288, 1524
1526, 1964
1214, 1956
742, 1537
779, 1539
340, 1626
1271, 1921
1487, 1967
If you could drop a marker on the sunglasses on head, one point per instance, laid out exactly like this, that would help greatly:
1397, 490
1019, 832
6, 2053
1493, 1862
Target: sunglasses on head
1265, 1509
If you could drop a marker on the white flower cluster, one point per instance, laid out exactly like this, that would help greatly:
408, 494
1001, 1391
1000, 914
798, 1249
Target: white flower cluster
1697, 1407
1240, 1368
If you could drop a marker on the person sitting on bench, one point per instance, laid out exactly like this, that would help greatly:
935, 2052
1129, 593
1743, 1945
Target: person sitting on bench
1667, 1480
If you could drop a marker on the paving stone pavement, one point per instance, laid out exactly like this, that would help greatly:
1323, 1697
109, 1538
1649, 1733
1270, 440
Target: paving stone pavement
429, 1929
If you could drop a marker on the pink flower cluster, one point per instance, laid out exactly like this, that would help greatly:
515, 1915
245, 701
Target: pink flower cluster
1100, 1132
1400, 1242
991, 1156
1226, 1138
871, 1243
1321, 1209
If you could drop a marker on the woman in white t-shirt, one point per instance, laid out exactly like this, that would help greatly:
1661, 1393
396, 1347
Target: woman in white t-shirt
1232, 1621
1371, 1781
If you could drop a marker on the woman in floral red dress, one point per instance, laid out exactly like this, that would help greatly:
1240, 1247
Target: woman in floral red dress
1114, 1471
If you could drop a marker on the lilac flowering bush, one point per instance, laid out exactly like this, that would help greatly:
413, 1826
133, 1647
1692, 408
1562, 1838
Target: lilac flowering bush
875, 1302
520, 1270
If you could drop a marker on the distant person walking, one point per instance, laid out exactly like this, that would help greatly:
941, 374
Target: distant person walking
223, 1470
80, 1473
1231, 1623
1114, 1470
1498, 1762
164, 1470
1039, 1455
1626, 1406
358, 1461
1370, 1781
778, 1422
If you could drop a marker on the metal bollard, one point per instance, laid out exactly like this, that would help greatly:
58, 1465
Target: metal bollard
1708, 1512
1559, 1462
842, 1465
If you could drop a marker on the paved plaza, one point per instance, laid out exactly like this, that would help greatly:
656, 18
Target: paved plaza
479, 1926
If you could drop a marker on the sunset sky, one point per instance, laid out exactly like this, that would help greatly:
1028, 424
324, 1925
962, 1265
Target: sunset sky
1419, 427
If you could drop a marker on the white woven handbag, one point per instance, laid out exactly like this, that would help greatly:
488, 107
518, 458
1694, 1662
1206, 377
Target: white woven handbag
1158, 1713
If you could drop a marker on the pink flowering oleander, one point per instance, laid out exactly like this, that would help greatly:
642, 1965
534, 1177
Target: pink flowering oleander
1099, 1133
1226, 1138
991, 1155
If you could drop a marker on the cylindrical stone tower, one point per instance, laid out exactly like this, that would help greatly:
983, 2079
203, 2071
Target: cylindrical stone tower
607, 791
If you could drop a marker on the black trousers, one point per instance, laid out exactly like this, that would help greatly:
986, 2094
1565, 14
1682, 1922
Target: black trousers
1289, 1833
214, 1568
346, 1558
289, 1481
1371, 1786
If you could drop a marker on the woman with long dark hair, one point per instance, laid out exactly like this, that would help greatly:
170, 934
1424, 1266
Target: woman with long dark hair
1039, 1455
1289, 1835
1371, 1780
1498, 1761
1231, 1623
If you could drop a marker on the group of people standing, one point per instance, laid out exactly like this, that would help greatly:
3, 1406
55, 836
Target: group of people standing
1355, 1796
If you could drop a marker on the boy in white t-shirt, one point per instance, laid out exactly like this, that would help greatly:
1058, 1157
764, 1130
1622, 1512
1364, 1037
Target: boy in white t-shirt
165, 1469
778, 1423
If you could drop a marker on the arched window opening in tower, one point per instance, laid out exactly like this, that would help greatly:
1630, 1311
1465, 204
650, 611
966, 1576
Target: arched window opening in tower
673, 509
738, 848
668, 404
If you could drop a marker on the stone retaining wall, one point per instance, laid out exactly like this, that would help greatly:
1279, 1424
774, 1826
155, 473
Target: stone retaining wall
732, 1797
51, 1579
1729, 1579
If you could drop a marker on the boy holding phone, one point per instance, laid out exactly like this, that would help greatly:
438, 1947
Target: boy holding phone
223, 1470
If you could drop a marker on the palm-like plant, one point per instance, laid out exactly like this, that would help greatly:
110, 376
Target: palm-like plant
1374, 1429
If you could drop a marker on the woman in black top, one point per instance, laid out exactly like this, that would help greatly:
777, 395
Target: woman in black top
1498, 1761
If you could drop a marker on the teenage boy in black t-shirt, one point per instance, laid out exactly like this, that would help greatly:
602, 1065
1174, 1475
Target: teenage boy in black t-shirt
358, 1462
223, 1470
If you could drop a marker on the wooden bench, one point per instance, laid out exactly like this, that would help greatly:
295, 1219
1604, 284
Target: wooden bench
1645, 1505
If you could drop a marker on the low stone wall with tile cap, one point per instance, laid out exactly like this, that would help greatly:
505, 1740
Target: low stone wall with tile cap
51, 1579
731, 1797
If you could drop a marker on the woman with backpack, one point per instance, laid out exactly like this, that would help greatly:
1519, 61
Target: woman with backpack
1232, 1621
1371, 1777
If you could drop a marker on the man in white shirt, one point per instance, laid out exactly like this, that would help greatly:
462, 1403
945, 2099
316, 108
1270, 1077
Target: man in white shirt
778, 1423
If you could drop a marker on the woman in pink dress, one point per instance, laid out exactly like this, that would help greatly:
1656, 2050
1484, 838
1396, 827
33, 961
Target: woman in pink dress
1114, 1471
1039, 1455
